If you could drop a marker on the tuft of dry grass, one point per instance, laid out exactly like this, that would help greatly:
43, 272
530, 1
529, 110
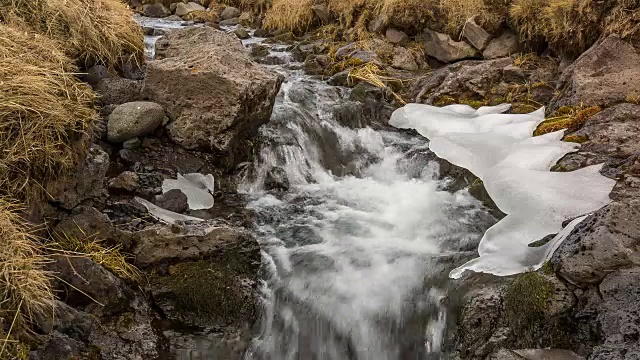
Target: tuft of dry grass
25, 287
92, 31
290, 15
490, 13
374, 75
567, 117
44, 113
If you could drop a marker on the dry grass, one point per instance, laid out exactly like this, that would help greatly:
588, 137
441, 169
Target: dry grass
290, 15
25, 287
374, 75
92, 31
44, 112
567, 117
92, 247
490, 13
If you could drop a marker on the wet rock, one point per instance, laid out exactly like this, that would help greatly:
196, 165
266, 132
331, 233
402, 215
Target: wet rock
478, 321
535, 354
85, 183
276, 179
396, 37
84, 277
173, 200
230, 12
239, 96
475, 34
340, 79
321, 11
445, 49
619, 316
157, 10
603, 75
95, 74
241, 33
404, 59
118, 90
134, 119
86, 222
131, 144
230, 22
183, 9
504, 45
602, 243
126, 181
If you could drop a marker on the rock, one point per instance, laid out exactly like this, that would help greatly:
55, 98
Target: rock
261, 33
504, 354
132, 70
131, 144
166, 244
403, 59
173, 200
85, 183
340, 79
512, 73
377, 25
475, 34
322, 13
245, 19
478, 321
86, 222
316, 64
445, 49
619, 316
229, 13
201, 16
173, 18
504, 45
345, 51
276, 179
230, 22
601, 244
241, 32
173, 7
535, 354
183, 9
239, 96
118, 90
134, 119
127, 181
81, 274
603, 75
396, 37
365, 56
95, 74
58, 346
155, 10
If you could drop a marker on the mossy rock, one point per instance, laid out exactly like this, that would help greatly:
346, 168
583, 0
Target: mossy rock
206, 293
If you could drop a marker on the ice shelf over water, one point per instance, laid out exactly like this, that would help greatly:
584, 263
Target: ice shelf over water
515, 168
197, 187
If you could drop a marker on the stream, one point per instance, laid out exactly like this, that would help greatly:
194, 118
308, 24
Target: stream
357, 251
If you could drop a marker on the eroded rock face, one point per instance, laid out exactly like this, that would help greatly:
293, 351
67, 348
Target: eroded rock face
214, 94
445, 49
603, 75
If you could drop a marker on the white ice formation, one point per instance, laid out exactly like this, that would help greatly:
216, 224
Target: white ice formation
514, 166
164, 215
197, 187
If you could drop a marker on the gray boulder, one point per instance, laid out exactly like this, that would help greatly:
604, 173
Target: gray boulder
404, 59
445, 49
230, 12
396, 37
183, 9
126, 181
504, 45
118, 90
475, 34
322, 13
215, 95
134, 119
241, 32
603, 75
230, 22
173, 200
155, 10
95, 74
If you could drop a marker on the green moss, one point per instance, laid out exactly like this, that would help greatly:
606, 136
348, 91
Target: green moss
444, 100
94, 352
523, 108
575, 138
473, 103
209, 290
526, 300
547, 268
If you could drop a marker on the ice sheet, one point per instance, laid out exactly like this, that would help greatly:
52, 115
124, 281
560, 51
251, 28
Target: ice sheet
163, 215
500, 149
197, 187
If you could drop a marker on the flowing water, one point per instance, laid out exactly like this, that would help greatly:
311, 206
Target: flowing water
357, 251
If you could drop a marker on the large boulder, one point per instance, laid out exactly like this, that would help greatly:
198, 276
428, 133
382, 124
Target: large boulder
504, 45
215, 95
444, 48
134, 119
605, 74
230, 12
183, 9
155, 10
475, 34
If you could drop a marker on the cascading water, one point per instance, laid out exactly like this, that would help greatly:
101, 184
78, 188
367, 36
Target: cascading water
357, 251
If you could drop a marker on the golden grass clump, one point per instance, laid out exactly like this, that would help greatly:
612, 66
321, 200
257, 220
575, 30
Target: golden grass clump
25, 286
489, 13
44, 111
567, 117
92, 31
291, 15
374, 75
